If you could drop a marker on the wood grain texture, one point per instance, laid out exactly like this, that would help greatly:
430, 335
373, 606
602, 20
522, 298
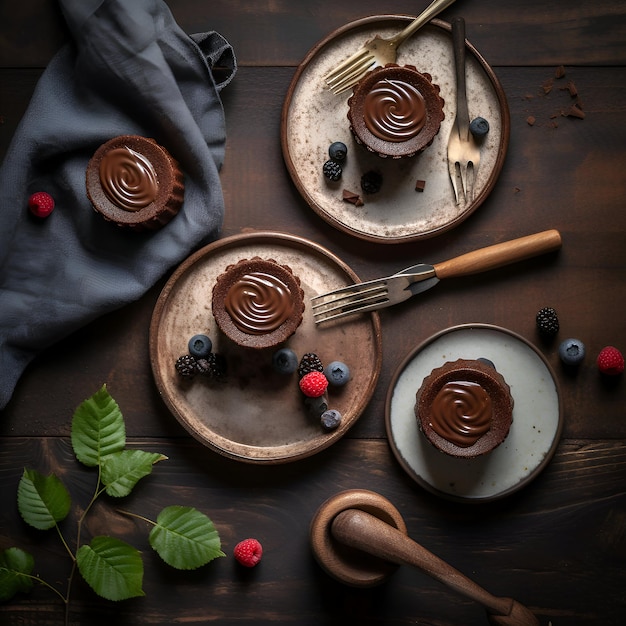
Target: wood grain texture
559, 545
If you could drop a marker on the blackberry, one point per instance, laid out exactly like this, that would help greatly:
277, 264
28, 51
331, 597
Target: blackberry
332, 170
337, 151
547, 322
310, 362
214, 366
371, 182
186, 366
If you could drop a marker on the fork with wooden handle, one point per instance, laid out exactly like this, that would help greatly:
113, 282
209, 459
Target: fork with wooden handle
383, 292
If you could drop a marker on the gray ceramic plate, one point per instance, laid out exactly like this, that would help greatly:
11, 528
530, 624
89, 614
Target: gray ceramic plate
313, 118
537, 415
257, 415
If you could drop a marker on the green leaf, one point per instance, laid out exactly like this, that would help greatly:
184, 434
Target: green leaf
42, 500
14, 563
185, 538
98, 428
112, 568
121, 471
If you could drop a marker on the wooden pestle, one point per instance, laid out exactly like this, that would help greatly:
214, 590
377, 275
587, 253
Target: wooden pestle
363, 531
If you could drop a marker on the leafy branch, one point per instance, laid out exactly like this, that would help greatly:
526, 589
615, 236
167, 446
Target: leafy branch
183, 537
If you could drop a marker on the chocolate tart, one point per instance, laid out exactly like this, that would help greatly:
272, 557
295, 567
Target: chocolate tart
258, 303
395, 111
135, 183
464, 408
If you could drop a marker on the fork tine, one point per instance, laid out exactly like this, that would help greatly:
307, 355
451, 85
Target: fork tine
338, 85
352, 299
347, 64
453, 177
356, 291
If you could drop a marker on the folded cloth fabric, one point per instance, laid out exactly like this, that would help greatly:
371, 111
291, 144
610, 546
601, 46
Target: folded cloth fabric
130, 69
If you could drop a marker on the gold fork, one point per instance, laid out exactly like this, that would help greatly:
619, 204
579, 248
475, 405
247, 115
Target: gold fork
378, 51
463, 152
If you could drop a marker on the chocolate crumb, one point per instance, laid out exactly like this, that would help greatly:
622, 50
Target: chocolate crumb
560, 71
352, 198
571, 87
419, 185
574, 111
531, 120
516, 189
547, 85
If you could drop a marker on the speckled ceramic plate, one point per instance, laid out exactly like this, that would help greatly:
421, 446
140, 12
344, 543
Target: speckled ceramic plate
257, 415
537, 415
312, 118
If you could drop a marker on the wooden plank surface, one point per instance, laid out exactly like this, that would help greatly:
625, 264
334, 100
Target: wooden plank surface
559, 545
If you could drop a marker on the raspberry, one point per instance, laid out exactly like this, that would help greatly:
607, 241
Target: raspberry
313, 384
610, 361
248, 552
41, 204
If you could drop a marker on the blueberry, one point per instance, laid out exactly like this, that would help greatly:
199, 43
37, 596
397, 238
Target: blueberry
572, 351
486, 361
479, 127
316, 407
330, 419
338, 373
337, 151
285, 361
200, 346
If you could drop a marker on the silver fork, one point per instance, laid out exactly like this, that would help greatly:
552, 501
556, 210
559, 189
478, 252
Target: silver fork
383, 292
463, 152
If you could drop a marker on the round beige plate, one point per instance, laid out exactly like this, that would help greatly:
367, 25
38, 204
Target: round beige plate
537, 415
313, 118
257, 415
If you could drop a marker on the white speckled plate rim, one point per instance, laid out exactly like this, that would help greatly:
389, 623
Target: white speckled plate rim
537, 415
313, 118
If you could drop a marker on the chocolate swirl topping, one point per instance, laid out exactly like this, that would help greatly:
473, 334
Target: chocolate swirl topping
258, 303
394, 110
128, 179
461, 412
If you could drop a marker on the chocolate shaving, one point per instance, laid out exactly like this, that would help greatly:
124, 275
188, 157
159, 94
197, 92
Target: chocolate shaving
574, 111
560, 71
547, 85
531, 120
571, 87
419, 185
352, 198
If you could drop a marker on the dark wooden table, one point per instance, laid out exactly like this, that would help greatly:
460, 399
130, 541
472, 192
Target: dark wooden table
558, 545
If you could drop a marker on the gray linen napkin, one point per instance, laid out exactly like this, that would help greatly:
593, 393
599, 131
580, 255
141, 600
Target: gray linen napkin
129, 70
